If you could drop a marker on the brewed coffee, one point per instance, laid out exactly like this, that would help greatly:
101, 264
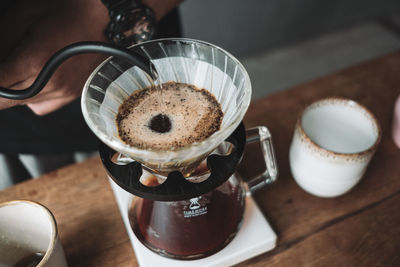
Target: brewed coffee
167, 118
191, 228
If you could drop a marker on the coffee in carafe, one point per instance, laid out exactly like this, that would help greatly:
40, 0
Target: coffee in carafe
189, 229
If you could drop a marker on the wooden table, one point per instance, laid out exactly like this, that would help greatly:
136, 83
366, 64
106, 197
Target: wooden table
361, 228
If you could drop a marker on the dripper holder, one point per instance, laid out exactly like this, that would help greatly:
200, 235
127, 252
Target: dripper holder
176, 187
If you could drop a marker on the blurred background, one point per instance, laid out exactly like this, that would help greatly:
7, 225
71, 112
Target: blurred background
283, 43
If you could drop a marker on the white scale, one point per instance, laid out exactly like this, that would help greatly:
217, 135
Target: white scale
254, 237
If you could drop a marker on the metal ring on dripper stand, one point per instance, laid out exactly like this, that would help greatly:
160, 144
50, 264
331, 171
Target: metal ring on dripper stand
176, 187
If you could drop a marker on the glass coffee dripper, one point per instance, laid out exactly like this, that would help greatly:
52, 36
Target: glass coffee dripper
188, 201
179, 60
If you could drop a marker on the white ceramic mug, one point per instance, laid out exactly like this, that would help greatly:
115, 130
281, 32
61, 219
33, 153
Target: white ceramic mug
28, 236
333, 142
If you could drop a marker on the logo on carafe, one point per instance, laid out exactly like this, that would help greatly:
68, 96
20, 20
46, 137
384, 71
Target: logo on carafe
194, 203
195, 208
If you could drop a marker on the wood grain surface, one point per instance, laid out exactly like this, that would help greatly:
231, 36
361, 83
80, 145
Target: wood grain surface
298, 217
360, 228
89, 222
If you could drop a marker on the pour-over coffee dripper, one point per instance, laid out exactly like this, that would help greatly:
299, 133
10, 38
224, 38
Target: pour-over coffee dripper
180, 60
186, 61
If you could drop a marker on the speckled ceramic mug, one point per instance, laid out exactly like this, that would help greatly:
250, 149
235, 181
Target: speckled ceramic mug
28, 236
333, 143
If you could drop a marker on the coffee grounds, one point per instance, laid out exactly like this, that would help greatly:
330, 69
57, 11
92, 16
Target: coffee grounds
175, 116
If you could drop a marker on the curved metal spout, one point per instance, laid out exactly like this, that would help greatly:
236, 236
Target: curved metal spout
72, 50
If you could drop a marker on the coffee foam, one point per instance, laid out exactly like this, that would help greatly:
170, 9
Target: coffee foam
194, 114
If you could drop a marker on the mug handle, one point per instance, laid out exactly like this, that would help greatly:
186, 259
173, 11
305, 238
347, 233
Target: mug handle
262, 135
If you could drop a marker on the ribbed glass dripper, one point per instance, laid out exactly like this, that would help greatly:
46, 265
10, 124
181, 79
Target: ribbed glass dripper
181, 60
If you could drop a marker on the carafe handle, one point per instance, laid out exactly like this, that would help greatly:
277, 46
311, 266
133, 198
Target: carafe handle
261, 134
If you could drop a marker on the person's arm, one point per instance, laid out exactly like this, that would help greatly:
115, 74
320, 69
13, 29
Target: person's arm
35, 30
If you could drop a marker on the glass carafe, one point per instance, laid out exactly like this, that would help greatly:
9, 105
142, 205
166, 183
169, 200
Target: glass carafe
200, 226
192, 228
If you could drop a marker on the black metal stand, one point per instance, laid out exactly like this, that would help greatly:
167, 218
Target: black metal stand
176, 187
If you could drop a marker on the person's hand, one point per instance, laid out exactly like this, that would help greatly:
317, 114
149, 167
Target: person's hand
32, 31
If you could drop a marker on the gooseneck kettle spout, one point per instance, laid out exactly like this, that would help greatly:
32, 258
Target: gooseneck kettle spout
72, 50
